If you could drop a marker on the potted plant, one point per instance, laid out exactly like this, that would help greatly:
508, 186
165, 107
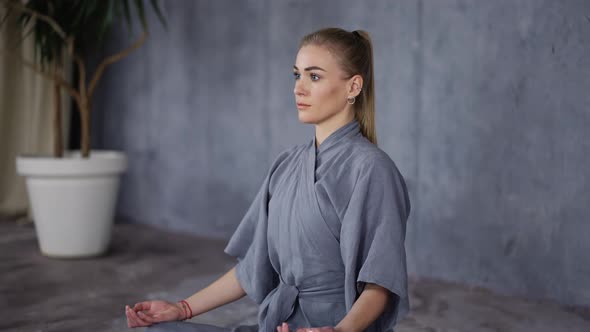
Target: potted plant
73, 194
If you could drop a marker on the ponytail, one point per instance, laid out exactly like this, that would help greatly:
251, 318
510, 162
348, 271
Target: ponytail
365, 110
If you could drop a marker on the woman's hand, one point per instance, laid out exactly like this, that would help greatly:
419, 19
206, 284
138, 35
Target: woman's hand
151, 312
285, 328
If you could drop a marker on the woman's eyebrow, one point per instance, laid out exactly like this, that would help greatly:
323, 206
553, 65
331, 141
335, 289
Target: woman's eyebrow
310, 68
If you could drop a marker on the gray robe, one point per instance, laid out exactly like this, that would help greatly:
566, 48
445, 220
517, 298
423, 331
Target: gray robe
324, 223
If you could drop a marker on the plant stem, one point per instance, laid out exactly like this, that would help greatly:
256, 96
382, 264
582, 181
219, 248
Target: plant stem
85, 126
112, 59
58, 148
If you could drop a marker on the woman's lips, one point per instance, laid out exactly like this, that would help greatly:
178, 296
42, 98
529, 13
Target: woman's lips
302, 106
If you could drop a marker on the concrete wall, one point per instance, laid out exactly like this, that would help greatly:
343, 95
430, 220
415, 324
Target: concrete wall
484, 106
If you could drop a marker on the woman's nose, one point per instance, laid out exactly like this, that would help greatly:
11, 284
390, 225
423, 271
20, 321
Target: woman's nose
299, 89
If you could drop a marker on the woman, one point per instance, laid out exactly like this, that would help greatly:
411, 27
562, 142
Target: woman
322, 246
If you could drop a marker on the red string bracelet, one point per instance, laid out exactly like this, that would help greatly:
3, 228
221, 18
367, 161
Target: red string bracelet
189, 308
184, 312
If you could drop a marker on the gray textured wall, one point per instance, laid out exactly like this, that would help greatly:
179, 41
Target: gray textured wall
484, 106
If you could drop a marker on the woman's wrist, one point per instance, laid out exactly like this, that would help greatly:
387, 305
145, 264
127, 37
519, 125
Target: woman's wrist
180, 306
186, 309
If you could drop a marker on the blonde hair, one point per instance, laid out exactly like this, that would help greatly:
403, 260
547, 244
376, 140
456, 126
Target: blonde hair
354, 52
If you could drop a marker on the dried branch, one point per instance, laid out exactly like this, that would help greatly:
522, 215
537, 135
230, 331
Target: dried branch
81, 74
112, 59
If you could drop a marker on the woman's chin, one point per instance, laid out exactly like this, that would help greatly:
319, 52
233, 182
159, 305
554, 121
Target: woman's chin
305, 118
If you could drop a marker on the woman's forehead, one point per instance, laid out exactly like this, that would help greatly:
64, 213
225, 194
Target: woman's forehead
314, 55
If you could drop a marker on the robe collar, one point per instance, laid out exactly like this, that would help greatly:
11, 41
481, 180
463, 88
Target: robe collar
348, 130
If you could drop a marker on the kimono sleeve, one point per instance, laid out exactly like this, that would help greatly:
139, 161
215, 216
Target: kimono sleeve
249, 245
372, 237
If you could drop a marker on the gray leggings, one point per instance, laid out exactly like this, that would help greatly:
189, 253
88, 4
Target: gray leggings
193, 327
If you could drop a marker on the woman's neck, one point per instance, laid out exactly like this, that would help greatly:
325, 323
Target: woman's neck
324, 129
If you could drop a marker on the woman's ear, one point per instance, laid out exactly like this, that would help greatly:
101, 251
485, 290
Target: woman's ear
355, 86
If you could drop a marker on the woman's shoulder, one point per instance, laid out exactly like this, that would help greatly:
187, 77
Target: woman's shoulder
366, 155
375, 167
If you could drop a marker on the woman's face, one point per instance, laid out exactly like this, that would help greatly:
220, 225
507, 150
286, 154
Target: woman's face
321, 87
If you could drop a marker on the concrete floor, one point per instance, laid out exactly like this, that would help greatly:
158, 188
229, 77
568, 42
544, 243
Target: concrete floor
42, 294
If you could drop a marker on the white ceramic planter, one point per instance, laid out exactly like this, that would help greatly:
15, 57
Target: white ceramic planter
73, 200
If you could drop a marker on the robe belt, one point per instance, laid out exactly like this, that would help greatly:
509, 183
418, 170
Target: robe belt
280, 302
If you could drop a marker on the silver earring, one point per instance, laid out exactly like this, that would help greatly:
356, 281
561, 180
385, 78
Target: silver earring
351, 100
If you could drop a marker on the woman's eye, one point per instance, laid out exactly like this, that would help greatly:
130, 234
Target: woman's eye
296, 75
314, 77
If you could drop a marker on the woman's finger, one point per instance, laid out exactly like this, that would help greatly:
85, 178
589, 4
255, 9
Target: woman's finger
283, 327
132, 321
127, 316
145, 317
142, 306
138, 321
